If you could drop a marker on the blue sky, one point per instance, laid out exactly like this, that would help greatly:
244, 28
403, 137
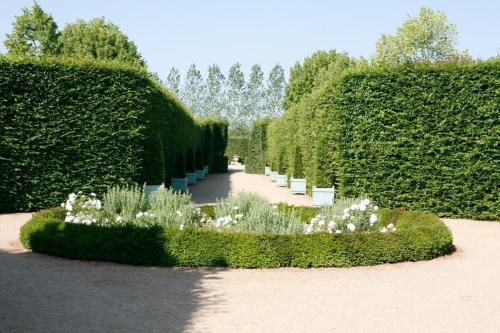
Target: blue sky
179, 33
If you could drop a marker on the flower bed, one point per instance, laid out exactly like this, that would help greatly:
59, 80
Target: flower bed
233, 233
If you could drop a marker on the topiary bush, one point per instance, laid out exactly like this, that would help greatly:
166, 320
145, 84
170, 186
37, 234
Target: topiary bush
420, 236
71, 125
256, 158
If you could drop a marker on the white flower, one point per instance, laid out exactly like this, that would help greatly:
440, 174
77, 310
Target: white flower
383, 230
365, 202
181, 227
331, 226
390, 226
345, 216
373, 219
235, 208
346, 211
354, 207
62, 205
351, 227
375, 207
69, 206
139, 215
307, 229
275, 206
321, 222
338, 231
239, 216
92, 194
362, 207
69, 218
118, 218
179, 213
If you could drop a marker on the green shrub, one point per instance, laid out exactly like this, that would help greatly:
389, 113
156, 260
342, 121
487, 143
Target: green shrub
180, 166
237, 145
68, 125
250, 212
199, 158
257, 147
216, 129
419, 236
190, 167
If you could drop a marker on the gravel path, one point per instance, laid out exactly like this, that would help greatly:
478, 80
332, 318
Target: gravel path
457, 293
221, 185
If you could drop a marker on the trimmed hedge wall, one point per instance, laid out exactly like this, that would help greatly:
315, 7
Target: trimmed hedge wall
422, 136
74, 125
237, 145
257, 147
420, 236
217, 131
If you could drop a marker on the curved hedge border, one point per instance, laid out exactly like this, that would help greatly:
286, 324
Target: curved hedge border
420, 236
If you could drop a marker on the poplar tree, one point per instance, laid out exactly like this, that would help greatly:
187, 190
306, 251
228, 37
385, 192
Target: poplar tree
192, 91
174, 80
214, 99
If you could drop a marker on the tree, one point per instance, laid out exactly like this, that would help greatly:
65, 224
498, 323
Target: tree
174, 80
98, 39
192, 92
254, 95
34, 33
275, 92
235, 98
426, 37
304, 78
214, 97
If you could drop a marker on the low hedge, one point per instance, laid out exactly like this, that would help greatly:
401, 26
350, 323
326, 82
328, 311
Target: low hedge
419, 236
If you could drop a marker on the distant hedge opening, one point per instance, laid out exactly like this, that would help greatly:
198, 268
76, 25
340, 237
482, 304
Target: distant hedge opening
68, 126
237, 145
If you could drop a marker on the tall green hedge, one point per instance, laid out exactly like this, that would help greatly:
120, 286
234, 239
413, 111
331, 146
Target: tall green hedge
422, 137
257, 147
237, 145
418, 136
67, 126
217, 131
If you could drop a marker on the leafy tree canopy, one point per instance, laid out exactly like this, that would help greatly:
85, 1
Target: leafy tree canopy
34, 33
426, 37
98, 39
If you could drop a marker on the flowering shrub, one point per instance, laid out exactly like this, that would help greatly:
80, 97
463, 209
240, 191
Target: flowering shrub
252, 213
246, 212
81, 208
129, 206
347, 215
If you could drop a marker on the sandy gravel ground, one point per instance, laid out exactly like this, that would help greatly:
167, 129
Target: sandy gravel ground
457, 293
221, 185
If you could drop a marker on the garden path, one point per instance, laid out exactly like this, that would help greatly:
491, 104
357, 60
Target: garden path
456, 293
236, 180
